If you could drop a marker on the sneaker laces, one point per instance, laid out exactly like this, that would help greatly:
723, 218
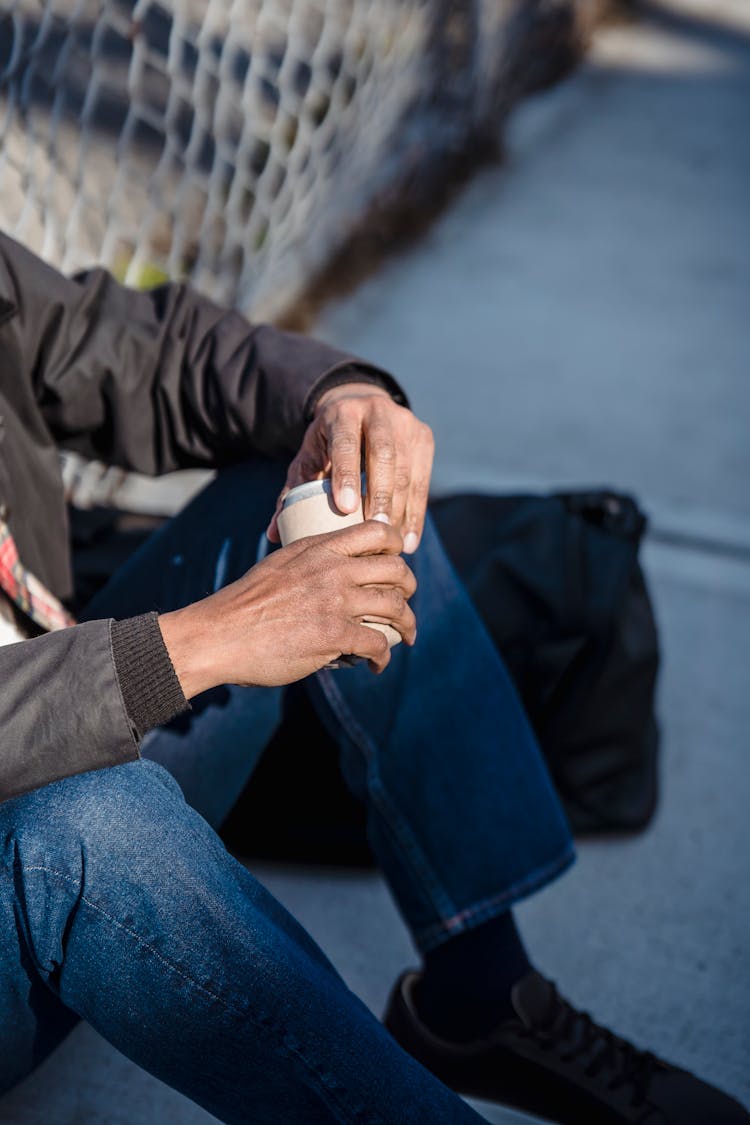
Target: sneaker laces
573, 1033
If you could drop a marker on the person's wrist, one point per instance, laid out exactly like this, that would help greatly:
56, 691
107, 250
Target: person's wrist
358, 389
189, 644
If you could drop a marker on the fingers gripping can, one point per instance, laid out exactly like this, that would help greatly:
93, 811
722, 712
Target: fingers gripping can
309, 509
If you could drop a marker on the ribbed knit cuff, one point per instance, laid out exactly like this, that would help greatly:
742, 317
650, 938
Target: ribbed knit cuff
148, 682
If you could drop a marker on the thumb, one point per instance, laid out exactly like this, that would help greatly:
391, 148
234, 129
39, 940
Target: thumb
369, 538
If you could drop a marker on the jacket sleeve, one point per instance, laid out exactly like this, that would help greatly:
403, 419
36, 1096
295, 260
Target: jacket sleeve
164, 379
50, 728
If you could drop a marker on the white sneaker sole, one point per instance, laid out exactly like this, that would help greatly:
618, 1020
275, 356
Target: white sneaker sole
502, 1115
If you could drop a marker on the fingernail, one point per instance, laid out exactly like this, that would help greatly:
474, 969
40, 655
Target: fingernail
349, 498
381, 517
411, 542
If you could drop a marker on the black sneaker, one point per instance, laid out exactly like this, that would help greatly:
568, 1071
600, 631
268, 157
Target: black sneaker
553, 1061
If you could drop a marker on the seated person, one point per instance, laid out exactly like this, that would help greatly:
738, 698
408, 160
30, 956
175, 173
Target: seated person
118, 902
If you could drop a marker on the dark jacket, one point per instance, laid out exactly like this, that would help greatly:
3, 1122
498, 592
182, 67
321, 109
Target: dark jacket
152, 381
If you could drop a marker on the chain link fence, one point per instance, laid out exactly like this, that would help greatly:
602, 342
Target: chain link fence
237, 143
246, 145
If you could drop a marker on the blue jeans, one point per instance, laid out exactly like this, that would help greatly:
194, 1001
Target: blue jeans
121, 906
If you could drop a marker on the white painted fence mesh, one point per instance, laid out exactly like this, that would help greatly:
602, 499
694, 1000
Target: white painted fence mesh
233, 142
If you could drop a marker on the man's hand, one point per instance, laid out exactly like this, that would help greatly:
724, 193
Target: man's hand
295, 612
358, 421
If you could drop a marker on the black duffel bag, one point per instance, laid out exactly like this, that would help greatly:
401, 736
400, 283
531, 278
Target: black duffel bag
558, 584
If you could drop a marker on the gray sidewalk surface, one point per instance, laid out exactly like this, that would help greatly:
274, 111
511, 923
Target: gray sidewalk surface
582, 316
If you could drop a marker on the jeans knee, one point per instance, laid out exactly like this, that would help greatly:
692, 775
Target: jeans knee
89, 814
100, 839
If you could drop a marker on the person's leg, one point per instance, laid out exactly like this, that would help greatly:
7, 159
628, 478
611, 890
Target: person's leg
462, 814
465, 822
438, 746
461, 811
118, 904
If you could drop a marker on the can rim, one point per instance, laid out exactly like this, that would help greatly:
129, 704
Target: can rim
312, 488
305, 491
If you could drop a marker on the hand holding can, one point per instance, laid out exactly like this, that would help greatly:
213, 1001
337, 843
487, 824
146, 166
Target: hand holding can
309, 509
